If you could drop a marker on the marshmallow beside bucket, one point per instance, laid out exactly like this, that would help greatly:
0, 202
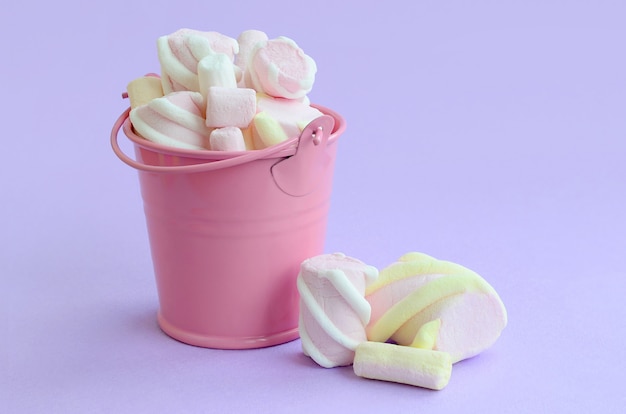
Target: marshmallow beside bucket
229, 230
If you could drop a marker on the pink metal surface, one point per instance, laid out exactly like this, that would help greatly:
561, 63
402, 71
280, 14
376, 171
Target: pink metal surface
228, 232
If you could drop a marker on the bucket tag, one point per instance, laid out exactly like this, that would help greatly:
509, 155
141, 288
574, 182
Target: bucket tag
299, 175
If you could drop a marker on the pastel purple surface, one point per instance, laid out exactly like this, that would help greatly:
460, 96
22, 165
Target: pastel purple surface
486, 134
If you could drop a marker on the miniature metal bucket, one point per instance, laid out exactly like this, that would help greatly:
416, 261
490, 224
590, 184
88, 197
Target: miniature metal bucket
229, 230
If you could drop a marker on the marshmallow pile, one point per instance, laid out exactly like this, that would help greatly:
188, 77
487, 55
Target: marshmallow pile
224, 94
407, 323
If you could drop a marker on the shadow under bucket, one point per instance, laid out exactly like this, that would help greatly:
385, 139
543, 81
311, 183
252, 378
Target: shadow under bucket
229, 230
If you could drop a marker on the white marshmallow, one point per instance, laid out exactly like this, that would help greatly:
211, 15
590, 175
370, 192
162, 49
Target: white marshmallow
216, 70
227, 139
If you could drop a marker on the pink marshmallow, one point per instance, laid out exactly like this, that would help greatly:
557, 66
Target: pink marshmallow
279, 68
292, 115
230, 107
333, 309
418, 289
180, 52
227, 139
247, 42
174, 120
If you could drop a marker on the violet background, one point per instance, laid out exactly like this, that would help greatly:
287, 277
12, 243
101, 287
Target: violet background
486, 133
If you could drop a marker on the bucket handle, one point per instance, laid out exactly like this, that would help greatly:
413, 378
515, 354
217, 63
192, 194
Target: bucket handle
246, 156
299, 175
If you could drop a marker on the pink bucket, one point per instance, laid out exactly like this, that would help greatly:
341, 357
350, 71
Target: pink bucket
228, 231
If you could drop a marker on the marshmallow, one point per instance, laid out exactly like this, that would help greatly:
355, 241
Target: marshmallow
230, 107
227, 139
402, 364
248, 137
419, 289
175, 120
279, 68
333, 309
427, 334
216, 70
143, 90
267, 131
292, 115
276, 70
247, 42
180, 52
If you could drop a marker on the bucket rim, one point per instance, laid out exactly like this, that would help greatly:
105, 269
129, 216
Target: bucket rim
289, 146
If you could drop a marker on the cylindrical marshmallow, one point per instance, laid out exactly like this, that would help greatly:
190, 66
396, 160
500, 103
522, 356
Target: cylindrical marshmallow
247, 42
143, 90
230, 107
248, 137
403, 364
227, 139
266, 131
216, 70
279, 68
175, 120
333, 310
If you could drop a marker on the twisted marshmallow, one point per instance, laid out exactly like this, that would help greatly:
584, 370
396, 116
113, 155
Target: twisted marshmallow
247, 41
279, 68
418, 289
175, 120
180, 52
333, 310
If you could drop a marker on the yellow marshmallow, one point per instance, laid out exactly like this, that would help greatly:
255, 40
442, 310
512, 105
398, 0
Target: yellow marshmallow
402, 364
417, 290
426, 337
143, 90
268, 131
419, 300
